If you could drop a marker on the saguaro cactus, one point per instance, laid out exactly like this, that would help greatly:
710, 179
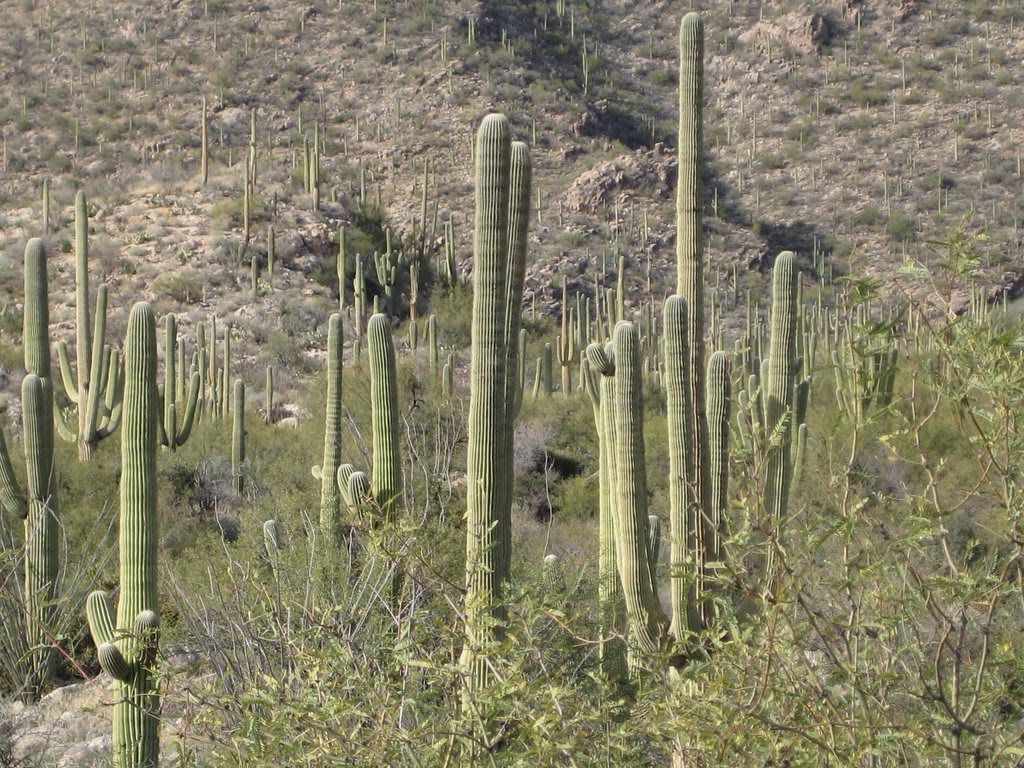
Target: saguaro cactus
690, 253
127, 648
778, 388
598, 376
41, 531
502, 193
97, 416
387, 484
37, 506
647, 620
238, 439
326, 472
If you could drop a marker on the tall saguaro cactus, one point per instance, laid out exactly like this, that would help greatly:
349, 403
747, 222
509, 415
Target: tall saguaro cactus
499, 248
127, 647
97, 369
690, 242
326, 472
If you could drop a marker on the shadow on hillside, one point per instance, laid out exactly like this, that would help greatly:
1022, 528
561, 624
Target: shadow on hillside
545, 46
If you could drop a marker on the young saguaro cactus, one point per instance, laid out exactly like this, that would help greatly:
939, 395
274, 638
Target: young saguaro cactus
127, 648
499, 245
98, 416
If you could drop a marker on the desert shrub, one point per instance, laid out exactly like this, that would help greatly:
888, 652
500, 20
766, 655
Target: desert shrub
182, 286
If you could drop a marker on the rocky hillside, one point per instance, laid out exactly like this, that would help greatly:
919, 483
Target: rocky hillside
863, 129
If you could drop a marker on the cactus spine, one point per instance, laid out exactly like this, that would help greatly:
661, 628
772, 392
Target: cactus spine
127, 649
499, 244
96, 419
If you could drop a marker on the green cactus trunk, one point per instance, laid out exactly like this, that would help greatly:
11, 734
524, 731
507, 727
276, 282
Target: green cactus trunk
41, 532
598, 375
719, 400
387, 485
778, 386
686, 558
330, 508
127, 649
690, 257
647, 621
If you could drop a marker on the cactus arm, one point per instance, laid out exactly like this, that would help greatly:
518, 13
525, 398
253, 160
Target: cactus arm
355, 490
105, 369
99, 610
95, 390
163, 435
83, 331
12, 498
67, 376
115, 393
190, 410
521, 177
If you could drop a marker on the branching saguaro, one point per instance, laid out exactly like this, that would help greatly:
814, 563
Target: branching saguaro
499, 252
37, 505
